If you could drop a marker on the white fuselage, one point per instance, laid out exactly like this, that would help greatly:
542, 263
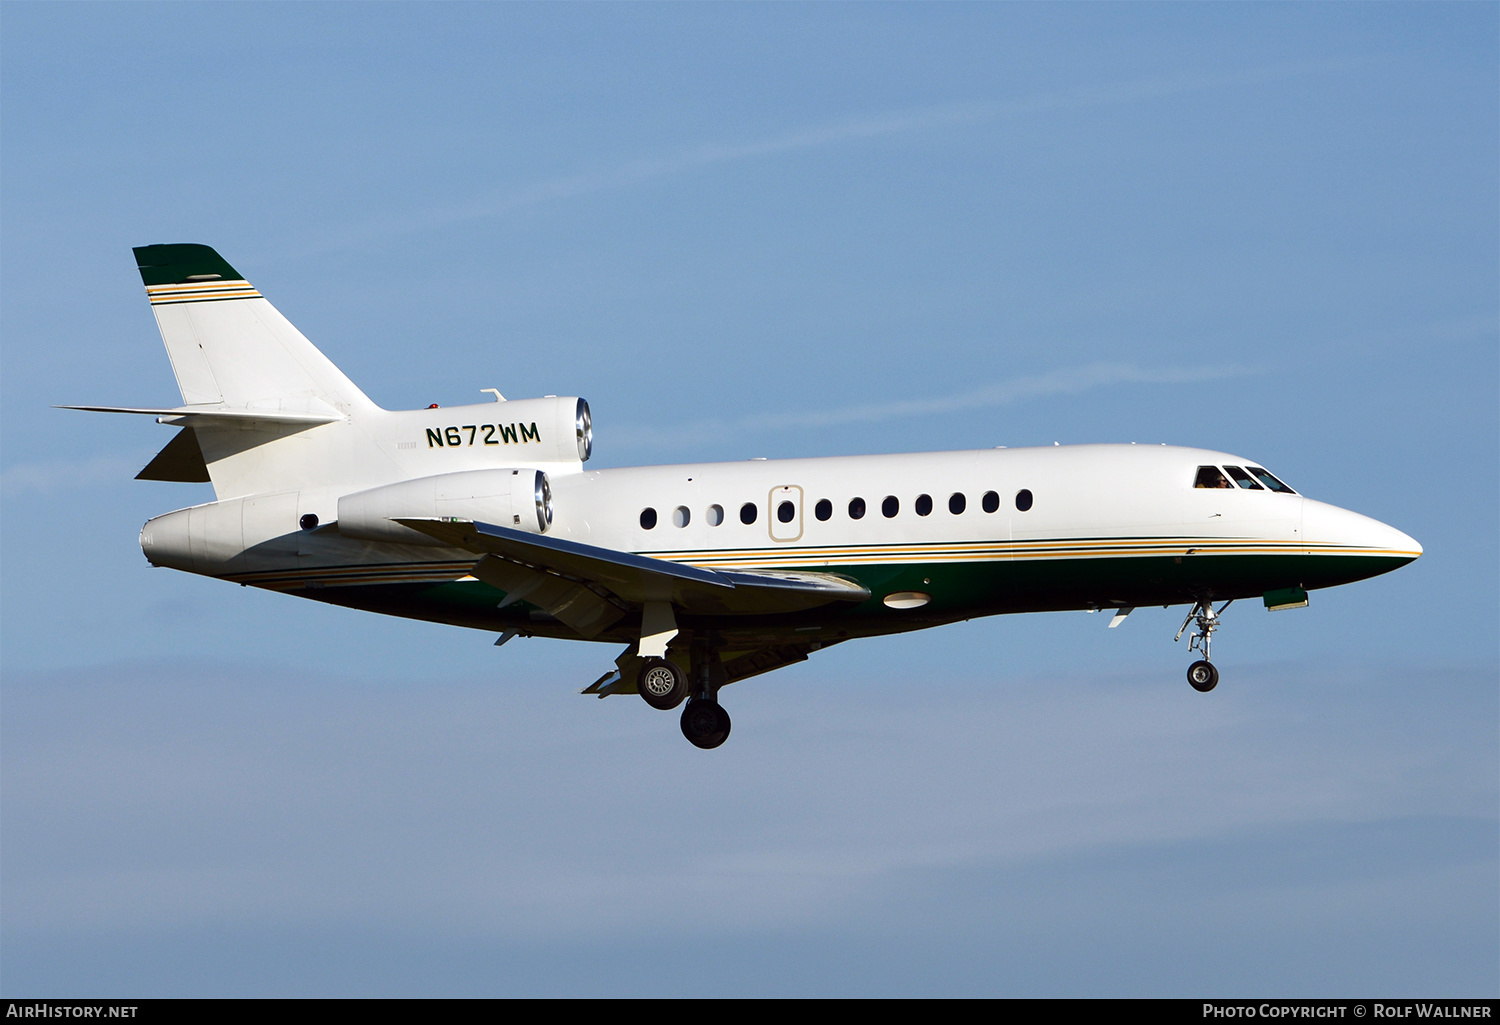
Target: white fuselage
1105, 525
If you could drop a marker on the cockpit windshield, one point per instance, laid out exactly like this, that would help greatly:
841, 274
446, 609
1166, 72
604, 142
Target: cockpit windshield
1270, 481
1213, 477
1242, 478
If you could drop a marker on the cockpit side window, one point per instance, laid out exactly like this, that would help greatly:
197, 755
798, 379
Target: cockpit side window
1270, 481
1211, 477
1243, 479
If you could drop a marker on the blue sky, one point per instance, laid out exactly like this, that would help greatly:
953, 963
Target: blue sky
763, 230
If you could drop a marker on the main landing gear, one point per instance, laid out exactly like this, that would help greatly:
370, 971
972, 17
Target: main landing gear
1202, 674
705, 723
663, 685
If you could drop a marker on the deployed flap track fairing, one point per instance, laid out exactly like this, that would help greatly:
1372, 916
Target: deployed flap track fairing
484, 516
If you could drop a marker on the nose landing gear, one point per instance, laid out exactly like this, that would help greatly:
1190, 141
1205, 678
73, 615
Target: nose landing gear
1202, 675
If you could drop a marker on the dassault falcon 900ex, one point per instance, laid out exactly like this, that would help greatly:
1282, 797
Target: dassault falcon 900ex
484, 516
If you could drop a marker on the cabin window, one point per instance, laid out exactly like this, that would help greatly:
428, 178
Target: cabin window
747, 512
1243, 479
681, 516
824, 509
715, 515
890, 507
856, 508
1270, 481
786, 512
648, 518
991, 501
309, 521
1210, 477
923, 505
957, 503
1023, 499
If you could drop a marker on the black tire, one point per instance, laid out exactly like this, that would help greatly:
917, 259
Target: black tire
1203, 676
662, 683
705, 724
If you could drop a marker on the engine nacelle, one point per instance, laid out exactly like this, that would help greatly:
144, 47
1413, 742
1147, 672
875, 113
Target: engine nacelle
519, 499
539, 431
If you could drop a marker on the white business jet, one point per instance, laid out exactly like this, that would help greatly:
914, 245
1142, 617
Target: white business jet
484, 516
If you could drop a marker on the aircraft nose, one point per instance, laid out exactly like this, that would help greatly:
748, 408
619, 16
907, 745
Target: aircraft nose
1324, 524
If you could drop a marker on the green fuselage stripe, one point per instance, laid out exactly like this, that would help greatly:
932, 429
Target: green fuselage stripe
958, 590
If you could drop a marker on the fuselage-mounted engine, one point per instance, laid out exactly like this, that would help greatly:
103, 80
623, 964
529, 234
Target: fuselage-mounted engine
519, 499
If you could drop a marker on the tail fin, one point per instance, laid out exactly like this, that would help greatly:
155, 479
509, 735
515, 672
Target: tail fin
229, 347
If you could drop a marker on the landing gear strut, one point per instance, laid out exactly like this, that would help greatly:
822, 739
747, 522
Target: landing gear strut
662, 682
1202, 675
704, 722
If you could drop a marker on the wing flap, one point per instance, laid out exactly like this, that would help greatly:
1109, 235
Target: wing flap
567, 601
764, 660
637, 579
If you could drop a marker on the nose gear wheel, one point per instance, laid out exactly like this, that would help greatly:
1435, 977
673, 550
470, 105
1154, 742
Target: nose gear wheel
1202, 674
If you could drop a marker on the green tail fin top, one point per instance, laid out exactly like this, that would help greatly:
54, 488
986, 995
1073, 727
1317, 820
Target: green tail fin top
182, 262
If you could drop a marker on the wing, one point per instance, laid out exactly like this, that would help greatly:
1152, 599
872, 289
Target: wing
738, 665
626, 580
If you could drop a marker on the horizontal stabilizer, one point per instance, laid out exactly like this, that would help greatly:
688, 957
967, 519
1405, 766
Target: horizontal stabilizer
636, 579
189, 416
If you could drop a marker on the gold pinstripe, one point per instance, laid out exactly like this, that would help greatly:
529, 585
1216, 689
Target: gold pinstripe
200, 291
988, 551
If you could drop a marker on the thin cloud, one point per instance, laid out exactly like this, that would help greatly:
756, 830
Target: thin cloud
869, 127
914, 119
1067, 381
